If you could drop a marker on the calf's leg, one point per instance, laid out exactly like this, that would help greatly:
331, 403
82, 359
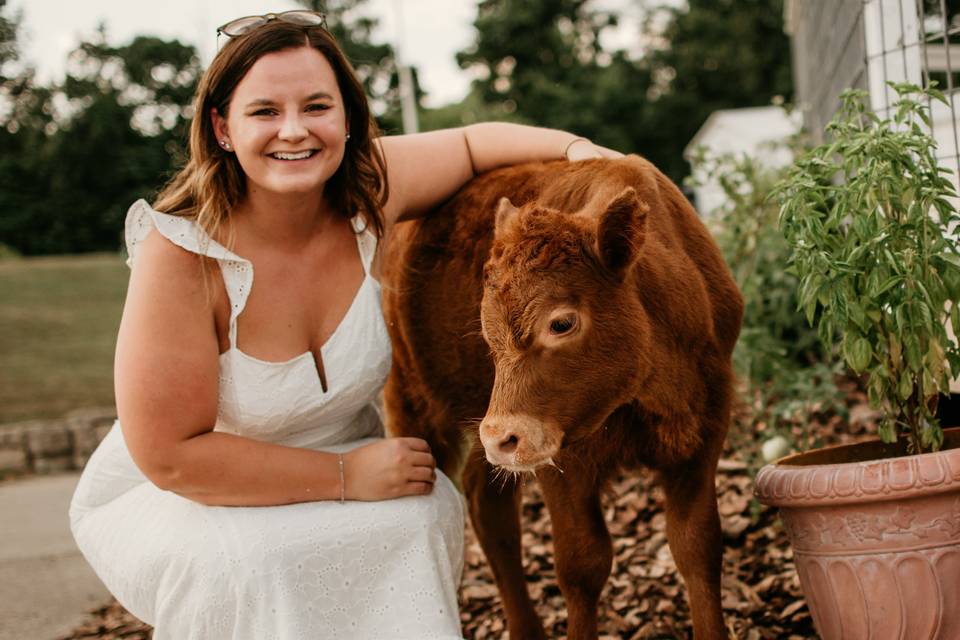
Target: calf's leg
495, 514
695, 537
581, 542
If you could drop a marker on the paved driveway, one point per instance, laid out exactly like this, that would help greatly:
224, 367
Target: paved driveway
45, 584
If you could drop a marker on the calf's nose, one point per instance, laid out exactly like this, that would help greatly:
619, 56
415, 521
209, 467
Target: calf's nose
508, 444
499, 440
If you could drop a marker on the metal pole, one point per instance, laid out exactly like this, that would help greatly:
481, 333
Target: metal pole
408, 105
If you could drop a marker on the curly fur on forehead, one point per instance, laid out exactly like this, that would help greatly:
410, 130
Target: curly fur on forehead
543, 239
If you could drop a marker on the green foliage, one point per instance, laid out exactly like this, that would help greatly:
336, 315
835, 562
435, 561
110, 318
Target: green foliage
717, 55
774, 336
8, 253
68, 175
778, 357
787, 405
867, 215
468, 111
544, 61
8, 39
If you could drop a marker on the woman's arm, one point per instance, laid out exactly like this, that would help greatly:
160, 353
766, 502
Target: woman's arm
167, 377
424, 169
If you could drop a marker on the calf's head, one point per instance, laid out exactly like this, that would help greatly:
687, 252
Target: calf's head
565, 328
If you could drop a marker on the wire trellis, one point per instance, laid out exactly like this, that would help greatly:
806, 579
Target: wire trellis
839, 44
917, 41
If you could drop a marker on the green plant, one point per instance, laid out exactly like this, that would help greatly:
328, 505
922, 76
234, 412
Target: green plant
774, 335
784, 384
867, 217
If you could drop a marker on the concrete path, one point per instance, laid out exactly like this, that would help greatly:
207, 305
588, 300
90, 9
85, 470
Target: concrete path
46, 586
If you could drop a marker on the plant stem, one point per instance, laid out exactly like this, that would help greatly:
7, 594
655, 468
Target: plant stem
913, 422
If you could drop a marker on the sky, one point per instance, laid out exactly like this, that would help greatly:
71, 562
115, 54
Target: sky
432, 30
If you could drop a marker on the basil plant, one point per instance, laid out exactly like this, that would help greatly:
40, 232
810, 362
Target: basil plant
870, 220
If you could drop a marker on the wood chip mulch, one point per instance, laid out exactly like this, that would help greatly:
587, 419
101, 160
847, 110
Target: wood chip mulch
644, 597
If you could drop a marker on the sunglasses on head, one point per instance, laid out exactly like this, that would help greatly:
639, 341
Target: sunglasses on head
300, 17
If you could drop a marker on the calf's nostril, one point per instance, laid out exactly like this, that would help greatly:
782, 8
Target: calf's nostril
509, 444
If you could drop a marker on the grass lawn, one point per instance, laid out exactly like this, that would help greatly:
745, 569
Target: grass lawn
58, 325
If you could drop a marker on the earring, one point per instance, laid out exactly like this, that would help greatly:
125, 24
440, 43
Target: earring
225, 145
347, 137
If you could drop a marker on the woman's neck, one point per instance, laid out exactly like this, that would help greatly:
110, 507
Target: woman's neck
287, 221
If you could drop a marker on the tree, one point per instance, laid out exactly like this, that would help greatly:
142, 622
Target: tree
67, 175
717, 54
24, 118
79, 168
8, 39
542, 61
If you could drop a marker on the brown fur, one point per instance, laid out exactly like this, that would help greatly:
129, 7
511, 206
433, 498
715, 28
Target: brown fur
645, 379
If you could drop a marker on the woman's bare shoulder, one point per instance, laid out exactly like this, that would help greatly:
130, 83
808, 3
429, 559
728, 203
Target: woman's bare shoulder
163, 262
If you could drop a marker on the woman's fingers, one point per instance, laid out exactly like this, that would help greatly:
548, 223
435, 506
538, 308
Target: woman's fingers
420, 459
422, 474
419, 488
583, 149
415, 444
608, 153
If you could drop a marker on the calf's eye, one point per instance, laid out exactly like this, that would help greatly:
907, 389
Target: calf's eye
563, 325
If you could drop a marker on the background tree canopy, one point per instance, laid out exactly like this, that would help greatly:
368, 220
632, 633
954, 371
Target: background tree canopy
542, 61
74, 154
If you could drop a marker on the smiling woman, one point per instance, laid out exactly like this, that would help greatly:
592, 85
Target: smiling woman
293, 141
261, 398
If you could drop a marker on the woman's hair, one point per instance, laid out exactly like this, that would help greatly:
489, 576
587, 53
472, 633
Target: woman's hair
212, 182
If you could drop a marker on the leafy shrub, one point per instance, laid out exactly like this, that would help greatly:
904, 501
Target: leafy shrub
778, 356
867, 215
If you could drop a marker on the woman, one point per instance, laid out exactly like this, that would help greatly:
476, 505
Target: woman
246, 490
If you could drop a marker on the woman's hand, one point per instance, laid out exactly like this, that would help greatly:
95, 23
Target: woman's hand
583, 149
390, 468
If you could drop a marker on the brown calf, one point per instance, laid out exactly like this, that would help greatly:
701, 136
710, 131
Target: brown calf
591, 329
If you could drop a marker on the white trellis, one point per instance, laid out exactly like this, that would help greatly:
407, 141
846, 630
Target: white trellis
910, 41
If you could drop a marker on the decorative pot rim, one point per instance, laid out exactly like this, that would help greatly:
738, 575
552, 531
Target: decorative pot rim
821, 477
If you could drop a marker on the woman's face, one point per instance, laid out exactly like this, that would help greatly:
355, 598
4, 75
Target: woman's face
286, 122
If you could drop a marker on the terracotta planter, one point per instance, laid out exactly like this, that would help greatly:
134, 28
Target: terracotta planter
876, 538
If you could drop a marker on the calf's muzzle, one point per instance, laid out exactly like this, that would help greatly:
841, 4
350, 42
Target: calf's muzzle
519, 442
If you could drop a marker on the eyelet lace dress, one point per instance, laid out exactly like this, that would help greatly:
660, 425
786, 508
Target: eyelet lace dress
387, 569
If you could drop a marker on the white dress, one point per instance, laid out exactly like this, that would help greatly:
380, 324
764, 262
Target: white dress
386, 569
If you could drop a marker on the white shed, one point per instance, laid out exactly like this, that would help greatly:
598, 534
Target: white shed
755, 131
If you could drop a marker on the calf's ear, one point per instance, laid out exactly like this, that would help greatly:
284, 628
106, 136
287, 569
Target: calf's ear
506, 212
620, 230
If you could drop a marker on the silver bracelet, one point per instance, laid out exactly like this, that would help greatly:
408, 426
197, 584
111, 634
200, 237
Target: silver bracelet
343, 485
566, 149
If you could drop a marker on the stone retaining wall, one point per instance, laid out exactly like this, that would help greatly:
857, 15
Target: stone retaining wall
49, 446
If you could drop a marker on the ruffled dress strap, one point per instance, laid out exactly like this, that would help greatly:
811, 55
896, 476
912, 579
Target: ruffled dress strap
366, 242
187, 234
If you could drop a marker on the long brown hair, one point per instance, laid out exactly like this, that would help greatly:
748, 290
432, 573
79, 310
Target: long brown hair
212, 182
